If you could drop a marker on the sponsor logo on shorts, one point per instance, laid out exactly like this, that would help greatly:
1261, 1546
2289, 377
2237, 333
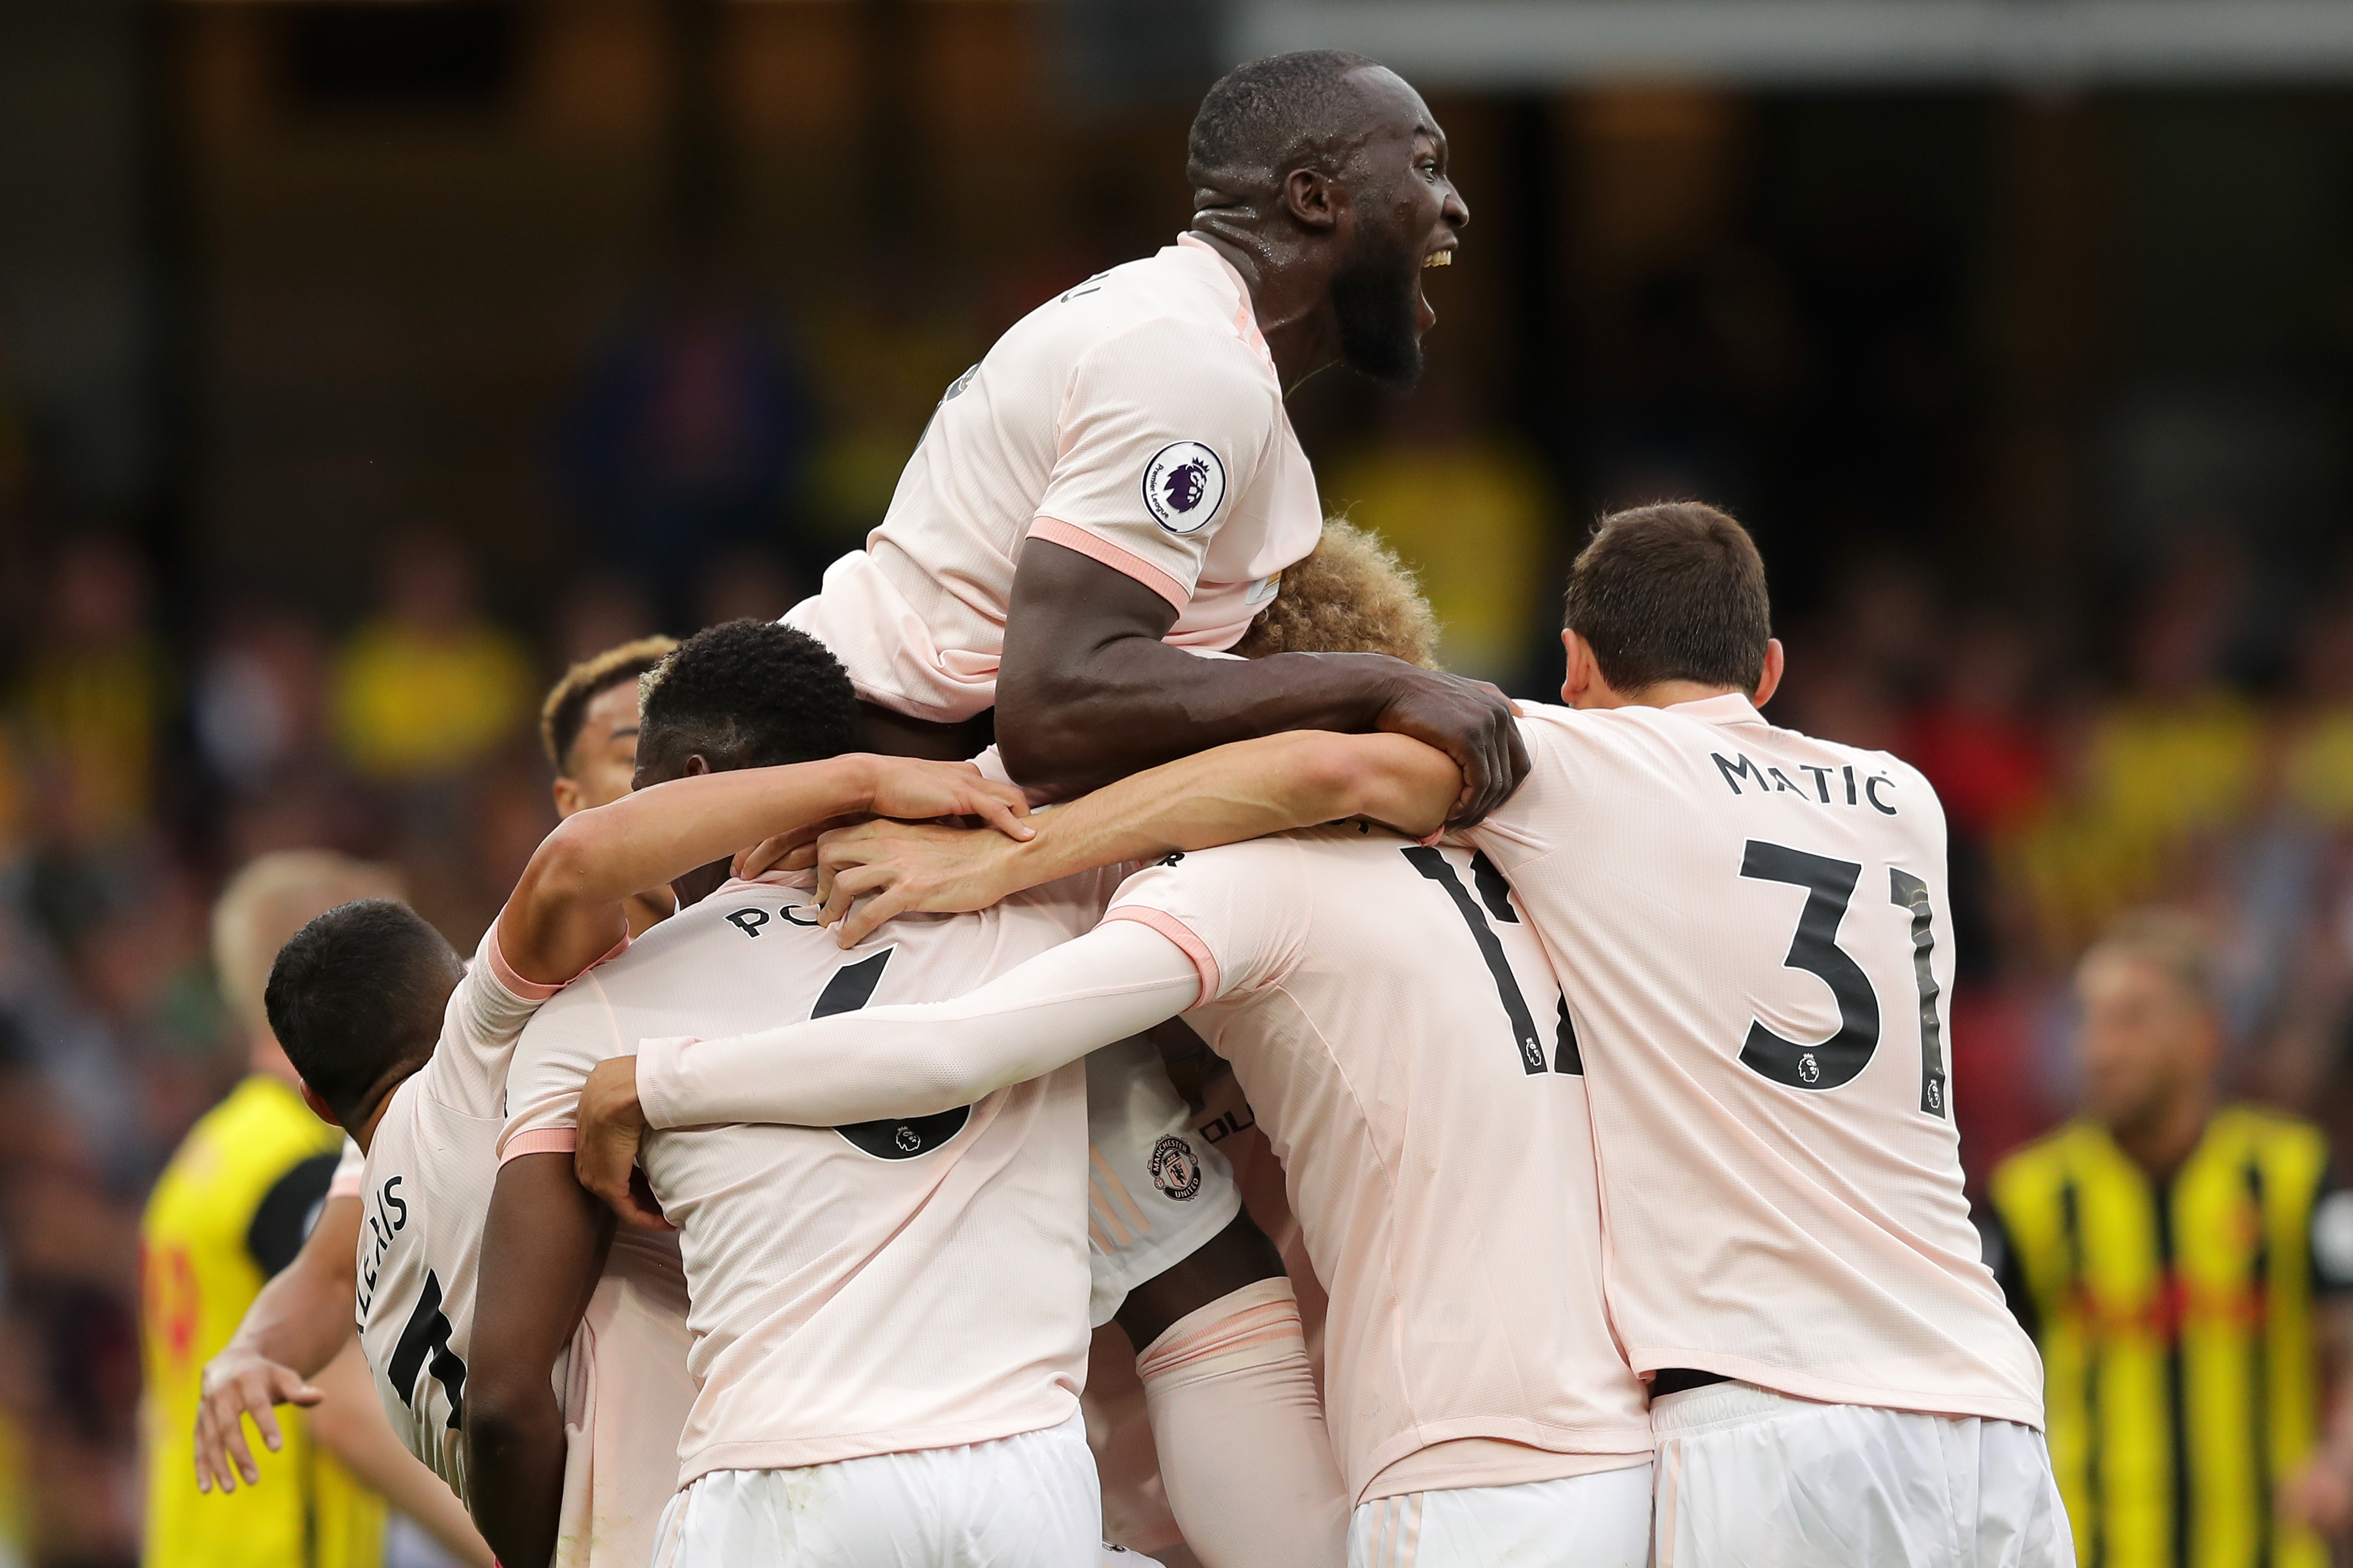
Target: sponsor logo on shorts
1176, 1169
1183, 486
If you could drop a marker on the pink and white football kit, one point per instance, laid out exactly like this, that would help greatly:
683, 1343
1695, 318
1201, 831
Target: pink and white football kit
899, 1287
425, 1189
1447, 1193
1752, 931
1136, 418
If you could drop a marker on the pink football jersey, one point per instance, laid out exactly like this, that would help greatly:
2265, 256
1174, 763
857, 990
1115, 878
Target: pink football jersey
894, 1285
1753, 932
1136, 418
1404, 1046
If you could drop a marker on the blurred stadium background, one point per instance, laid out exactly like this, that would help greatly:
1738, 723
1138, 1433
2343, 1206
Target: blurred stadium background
362, 363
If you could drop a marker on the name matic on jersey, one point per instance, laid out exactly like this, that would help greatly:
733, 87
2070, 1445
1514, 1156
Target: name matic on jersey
1773, 781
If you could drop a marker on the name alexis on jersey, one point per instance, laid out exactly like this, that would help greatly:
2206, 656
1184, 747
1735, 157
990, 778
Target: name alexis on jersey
386, 1217
1875, 788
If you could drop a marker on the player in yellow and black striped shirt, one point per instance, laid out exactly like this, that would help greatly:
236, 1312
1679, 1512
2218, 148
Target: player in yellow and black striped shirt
2185, 1270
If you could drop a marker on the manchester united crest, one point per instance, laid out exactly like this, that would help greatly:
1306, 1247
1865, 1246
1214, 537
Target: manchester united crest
1176, 1169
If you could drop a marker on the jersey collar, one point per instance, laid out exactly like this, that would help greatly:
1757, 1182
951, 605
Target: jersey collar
1245, 315
1732, 707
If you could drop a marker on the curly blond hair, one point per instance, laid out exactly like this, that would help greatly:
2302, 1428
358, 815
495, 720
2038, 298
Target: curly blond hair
1352, 595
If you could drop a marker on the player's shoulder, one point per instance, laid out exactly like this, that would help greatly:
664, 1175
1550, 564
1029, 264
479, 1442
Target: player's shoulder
2051, 1158
2262, 1130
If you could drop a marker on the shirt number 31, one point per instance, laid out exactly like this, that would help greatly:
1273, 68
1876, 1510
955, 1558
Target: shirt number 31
1829, 889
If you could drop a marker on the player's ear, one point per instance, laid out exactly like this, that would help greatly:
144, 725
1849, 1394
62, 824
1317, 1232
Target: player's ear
1578, 676
1770, 680
1313, 199
567, 796
318, 1107
696, 767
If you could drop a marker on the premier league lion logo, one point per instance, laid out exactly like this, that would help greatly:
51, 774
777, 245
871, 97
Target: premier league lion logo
1176, 1169
1184, 486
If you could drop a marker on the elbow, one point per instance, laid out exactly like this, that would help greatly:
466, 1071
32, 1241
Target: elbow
1042, 733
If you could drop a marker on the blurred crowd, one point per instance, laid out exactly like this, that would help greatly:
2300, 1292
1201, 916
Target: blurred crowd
2198, 752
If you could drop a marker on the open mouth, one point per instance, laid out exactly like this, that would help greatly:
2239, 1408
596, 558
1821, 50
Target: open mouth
1438, 258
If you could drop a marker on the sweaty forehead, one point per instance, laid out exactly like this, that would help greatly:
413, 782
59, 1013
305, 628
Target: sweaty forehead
1390, 105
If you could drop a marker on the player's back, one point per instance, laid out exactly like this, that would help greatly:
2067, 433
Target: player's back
230, 1210
1753, 931
426, 1193
1135, 417
888, 1287
1400, 1038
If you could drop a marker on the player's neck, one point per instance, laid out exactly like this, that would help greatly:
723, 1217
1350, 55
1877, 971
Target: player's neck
1293, 312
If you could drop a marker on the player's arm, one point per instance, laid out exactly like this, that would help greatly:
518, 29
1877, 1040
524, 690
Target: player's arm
906, 1059
1087, 692
566, 911
1245, 790
350, 1423
294, 1328
542, 1248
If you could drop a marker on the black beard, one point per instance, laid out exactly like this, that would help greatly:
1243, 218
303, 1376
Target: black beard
1373, 296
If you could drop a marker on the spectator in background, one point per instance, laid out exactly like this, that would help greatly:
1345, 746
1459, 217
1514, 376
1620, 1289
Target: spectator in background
689, 436
2175, 758
1471, 515
2184, 1270
2318, 770
232, 1209
94, 691
429, 685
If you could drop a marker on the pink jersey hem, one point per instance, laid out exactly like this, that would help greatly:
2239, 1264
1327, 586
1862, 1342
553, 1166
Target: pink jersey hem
1410, 1473
799, 1453
1205, 962
346, 1187
541, 1140
1801, 1385
1070, 536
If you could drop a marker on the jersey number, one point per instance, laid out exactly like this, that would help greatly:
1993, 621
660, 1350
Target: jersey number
1829, 889
892, 1137
427, 1332
1496, 894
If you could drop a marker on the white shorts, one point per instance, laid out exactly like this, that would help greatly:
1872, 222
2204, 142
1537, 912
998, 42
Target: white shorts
1155, 1191
1600, 1521
1024, 1501
1759, 1478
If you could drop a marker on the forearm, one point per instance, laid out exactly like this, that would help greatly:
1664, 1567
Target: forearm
1238, 792
1131, 702
917, 1060
542, 1248
651, 836
350, 1423
302, 1318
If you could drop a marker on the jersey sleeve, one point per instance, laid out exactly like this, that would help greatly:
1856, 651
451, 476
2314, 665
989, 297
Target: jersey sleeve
552, 1061
1542, 813
351, 1170
1240, 913
486, 1013
1163, 428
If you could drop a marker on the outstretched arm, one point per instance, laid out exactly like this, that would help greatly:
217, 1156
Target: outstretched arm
294, 1328
1246, 790
908, 1059
566, 911
1087, 691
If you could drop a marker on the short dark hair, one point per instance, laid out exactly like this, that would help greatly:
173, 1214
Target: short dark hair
1671, 592
567, 708
747, 694
1265, 118
355, 995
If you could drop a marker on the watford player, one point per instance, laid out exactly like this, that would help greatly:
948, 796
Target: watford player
231, 1210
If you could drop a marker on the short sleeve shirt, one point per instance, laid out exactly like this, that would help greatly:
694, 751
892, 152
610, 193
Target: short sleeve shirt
1136, 418
822, 1263
1754, 933
1405, 1046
